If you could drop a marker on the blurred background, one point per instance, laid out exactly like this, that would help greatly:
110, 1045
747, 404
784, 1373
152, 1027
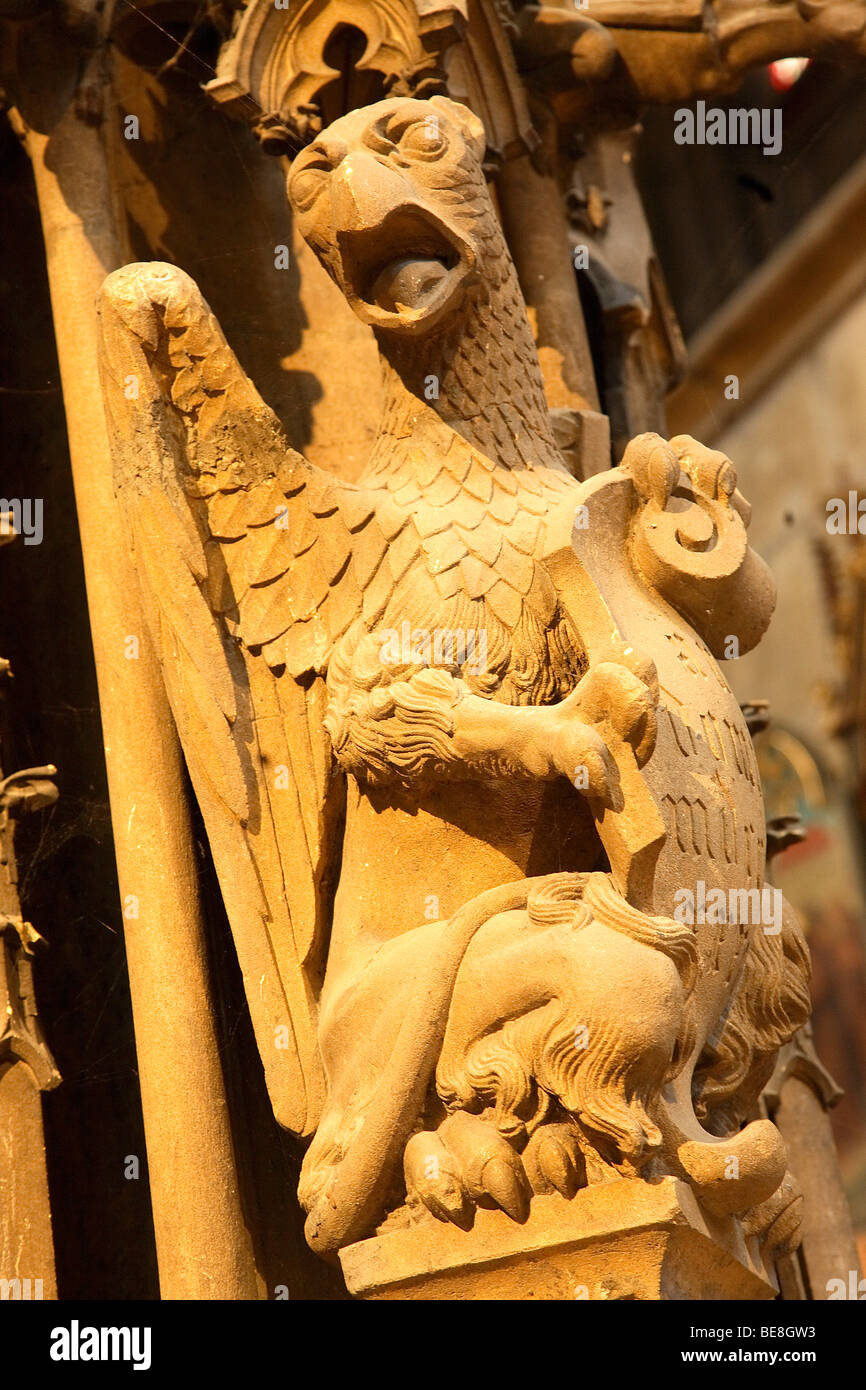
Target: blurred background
765, 262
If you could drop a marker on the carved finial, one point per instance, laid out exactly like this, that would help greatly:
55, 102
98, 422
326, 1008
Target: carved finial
799, 1058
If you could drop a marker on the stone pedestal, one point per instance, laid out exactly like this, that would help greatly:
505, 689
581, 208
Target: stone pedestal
623, 1240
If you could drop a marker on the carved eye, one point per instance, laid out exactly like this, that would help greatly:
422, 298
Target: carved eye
424, 139
307, 183
419, 137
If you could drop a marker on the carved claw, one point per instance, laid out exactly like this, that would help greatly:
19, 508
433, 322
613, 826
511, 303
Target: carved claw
554, 1162
504, 1182
432, 1176
778, 1221
612, 695
710, 472
579, 753
466, 1163
654, 466
491, 1169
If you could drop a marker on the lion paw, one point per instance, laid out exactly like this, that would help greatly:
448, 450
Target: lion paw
465, 1163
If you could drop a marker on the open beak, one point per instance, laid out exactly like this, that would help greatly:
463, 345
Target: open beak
401, 264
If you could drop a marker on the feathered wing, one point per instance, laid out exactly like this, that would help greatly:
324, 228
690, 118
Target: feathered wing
242, 549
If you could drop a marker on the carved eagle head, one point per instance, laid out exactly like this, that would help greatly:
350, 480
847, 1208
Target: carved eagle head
392, 199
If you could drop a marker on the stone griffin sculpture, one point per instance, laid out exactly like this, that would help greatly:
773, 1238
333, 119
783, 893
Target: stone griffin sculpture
457, 732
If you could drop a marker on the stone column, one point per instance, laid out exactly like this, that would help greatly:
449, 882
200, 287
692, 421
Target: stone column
203, 1245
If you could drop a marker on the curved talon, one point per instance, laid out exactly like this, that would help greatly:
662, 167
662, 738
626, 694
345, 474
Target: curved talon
654, 466
505, 1183
710, 472
602, 775
478, 1159
777, 1222
432, 1177
554, 1162
610, 701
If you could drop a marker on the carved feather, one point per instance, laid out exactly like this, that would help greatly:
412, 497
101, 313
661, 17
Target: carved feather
252, 564
239, 545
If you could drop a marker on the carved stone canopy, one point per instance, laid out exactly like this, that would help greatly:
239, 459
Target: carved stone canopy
295, 67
